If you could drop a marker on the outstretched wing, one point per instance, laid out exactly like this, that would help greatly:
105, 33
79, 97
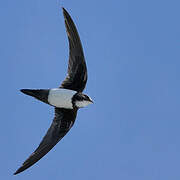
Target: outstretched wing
77, 72
62, 123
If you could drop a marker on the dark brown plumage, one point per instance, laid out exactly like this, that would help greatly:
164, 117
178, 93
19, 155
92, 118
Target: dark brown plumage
75, 80
77, 72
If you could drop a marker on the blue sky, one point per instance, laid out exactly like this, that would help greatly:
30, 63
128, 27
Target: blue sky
132, 53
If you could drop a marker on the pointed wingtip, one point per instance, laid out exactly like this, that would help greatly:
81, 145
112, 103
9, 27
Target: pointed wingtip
21, 169
65, 13
17, 172
64, 10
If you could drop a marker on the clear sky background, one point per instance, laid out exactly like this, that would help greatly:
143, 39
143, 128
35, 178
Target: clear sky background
132, 49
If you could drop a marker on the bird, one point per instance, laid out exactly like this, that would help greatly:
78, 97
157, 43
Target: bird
66, 99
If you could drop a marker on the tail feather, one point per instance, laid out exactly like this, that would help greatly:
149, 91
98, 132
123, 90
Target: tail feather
40, 94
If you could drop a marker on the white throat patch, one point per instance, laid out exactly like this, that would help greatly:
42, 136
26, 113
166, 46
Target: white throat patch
81, 104
61, 98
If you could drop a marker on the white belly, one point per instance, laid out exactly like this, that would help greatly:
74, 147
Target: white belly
61, 98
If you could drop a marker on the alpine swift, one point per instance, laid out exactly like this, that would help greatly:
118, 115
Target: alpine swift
66, 99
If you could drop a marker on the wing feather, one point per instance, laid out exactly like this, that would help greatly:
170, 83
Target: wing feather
62, 123
77, 71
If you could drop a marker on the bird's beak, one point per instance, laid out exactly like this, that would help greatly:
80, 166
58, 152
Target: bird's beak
91, 101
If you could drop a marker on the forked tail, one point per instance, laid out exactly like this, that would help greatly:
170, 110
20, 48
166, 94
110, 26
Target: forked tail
40, 94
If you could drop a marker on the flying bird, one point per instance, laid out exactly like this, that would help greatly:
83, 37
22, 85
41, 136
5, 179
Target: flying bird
66, 99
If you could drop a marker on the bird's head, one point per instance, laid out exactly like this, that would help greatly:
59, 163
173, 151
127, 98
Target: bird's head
81, 100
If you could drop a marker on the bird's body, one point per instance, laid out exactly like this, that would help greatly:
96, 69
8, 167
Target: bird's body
66, 99
62, 98
59, 97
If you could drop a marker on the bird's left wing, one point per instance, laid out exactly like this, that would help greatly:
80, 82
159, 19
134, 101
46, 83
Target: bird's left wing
77, 71
63, 121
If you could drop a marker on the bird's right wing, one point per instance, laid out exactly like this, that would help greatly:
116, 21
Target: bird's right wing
62, 123
77, 71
